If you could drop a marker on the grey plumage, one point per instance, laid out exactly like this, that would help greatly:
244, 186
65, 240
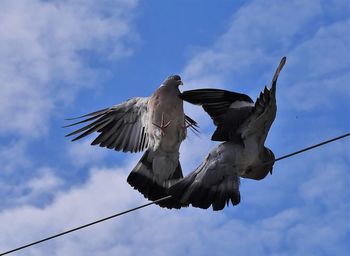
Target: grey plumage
220, 105
244, 127
138, 125
116, 125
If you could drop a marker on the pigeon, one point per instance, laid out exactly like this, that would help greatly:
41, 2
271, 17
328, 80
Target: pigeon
156, 125
243, 127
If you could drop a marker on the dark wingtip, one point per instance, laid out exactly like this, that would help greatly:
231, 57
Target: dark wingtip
78, 117
284, 59
278, 70
192, 193
68, 125
152, 191
72, 118
89, 114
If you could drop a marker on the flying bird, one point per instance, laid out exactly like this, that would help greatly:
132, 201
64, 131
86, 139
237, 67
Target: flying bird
243, 126
156, 125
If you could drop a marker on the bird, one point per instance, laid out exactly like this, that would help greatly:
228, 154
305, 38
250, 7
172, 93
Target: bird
242, 126
156, 125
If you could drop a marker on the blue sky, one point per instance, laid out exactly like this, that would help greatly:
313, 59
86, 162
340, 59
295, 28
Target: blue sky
65, 58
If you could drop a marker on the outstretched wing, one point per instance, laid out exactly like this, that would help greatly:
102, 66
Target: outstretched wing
122, 127
215, 101
227, 109
264, 112
212, 183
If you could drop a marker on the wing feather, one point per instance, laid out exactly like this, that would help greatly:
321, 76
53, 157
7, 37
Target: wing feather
134, 133
259, 122
121, 127
96, 113
94, 128
118, 142
127, 137
192, 124
212, 183
214, 101
218, 104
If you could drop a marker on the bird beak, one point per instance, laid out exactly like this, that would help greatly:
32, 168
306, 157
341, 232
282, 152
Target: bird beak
181, 83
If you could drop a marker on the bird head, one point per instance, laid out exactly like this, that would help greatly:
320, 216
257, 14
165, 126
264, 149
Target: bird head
173, 80
260, 171
267, 157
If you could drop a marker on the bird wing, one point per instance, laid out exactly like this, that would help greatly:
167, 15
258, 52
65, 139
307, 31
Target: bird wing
264, 112
228, 110
214, 101
122, 127
212, 183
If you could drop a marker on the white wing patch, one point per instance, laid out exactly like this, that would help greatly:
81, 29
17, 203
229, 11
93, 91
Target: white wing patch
241, 104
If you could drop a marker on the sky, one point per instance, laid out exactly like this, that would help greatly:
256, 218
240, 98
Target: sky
64, 58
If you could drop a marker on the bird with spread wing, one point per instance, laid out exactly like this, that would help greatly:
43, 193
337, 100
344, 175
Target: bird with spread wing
243, 126
156, 125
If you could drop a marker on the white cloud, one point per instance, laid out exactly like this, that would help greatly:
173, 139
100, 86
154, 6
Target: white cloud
299, 210
13, 156
194, 150
322, 64
38, 190
295, 229
41, 63
244, 58
82, 153
254, 30
45, 182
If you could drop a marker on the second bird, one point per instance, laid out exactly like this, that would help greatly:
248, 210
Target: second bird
243, 126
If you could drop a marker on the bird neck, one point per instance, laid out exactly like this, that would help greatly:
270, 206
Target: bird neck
173, 87
267, 155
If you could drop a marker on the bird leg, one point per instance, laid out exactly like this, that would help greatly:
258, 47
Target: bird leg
162, 125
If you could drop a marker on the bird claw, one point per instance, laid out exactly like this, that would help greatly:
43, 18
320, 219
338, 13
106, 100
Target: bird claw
162, 125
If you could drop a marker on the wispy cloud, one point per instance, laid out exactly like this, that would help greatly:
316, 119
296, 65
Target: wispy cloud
302, 209
44, 49
82, 153
156, 231
259, 34
322, 67
41, 60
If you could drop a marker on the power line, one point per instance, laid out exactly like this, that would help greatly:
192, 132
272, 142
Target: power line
159, 200
312, 147
86, 225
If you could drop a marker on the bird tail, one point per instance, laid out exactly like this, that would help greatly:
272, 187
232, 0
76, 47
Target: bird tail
142, 178
191, 191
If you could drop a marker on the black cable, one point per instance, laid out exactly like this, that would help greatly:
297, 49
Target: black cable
157, 201
84, 226
311, 147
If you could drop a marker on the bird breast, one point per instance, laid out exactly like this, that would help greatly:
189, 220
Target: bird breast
168, 107
239, 157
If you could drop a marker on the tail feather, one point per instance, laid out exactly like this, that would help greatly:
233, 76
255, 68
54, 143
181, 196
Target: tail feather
142, 179
191, 191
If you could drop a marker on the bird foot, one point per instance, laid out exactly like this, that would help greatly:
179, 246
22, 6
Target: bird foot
162, 125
